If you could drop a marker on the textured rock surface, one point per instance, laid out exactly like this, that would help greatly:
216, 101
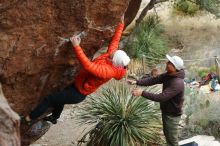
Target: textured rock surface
9, 124
33, 60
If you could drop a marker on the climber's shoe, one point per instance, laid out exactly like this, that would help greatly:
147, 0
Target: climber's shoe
24, 121
50, 119
38, 128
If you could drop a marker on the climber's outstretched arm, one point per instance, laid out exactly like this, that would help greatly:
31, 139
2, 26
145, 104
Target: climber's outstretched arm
113, 46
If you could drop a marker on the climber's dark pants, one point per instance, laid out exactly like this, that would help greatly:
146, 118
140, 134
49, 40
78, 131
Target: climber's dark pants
70, 95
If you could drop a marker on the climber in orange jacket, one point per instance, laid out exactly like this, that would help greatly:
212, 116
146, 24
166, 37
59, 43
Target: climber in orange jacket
93, 74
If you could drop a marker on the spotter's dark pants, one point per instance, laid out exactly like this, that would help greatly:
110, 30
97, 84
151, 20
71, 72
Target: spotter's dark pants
170, 129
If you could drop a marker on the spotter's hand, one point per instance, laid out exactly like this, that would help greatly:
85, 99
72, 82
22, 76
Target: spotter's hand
137, 92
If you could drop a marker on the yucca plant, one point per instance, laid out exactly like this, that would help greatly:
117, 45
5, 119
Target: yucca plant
120, 119
146, 40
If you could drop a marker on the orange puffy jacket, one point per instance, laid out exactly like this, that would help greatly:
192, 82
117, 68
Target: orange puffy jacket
100, 70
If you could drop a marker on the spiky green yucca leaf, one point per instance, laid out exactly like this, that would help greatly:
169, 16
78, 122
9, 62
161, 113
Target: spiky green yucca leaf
146, 40
121, 119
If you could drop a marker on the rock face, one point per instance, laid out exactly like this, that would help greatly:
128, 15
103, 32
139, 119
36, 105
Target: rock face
34, 61
9, 124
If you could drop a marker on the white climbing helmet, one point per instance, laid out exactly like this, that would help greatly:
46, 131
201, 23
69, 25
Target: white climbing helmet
120, 58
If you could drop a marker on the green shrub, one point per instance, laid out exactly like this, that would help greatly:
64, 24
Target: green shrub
202, 73
186, 7
120, 119
191, 7
202, 113
205, 71
212, 6
147, 40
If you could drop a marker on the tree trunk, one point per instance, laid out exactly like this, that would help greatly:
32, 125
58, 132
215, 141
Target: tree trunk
132, 10
146, 9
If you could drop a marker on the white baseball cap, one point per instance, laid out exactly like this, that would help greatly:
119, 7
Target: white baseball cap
176, 61
120, 58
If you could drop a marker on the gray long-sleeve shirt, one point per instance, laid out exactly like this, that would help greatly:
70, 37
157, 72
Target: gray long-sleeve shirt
171, 99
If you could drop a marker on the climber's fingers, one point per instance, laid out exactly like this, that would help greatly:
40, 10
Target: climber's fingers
122, 18
75, 41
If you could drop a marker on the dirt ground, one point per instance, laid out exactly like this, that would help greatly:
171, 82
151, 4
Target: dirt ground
66, 132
